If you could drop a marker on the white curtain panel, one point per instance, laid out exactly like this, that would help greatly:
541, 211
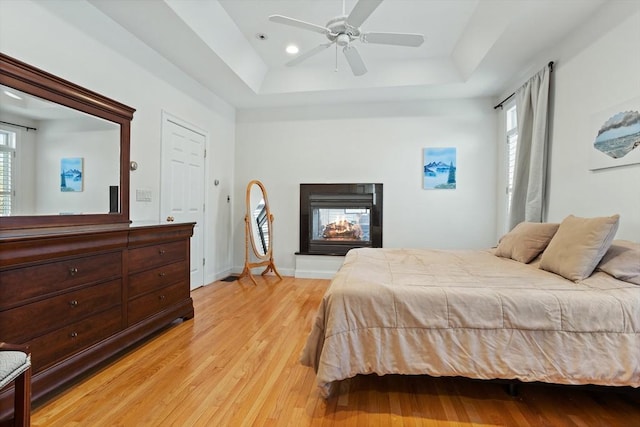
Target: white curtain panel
532, 104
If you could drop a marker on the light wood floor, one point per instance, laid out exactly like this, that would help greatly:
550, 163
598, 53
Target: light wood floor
236, 364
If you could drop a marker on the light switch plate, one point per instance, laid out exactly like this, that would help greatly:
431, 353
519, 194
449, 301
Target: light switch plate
143, 195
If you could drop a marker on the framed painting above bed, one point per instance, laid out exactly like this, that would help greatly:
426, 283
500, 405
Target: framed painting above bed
616, 136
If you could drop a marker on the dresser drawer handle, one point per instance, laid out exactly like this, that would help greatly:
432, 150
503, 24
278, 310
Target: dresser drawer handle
162, 274
162, 252
73, 303
162, 297
73, 334
73, 271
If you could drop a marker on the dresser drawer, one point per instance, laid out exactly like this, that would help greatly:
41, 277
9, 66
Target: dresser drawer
22, 284
160, 277
54, 346
149, 304
156, 255
25, 322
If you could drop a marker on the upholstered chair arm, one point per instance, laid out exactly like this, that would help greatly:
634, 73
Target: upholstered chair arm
15, 366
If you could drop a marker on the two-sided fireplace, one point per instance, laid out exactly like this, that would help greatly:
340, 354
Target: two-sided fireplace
335, 218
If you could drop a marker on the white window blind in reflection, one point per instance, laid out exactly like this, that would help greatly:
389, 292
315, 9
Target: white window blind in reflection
7, 162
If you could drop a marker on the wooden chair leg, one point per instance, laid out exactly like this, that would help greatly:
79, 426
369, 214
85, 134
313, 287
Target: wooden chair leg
22, 406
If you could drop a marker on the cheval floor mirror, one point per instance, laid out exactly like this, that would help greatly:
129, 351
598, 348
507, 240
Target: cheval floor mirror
258, 227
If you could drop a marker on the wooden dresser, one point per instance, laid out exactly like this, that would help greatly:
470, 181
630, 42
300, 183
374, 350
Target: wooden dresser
79, 295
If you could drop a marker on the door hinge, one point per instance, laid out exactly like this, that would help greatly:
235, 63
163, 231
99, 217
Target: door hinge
204, 261
205, 152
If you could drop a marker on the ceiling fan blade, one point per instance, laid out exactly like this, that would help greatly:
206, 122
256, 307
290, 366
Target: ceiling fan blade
397, 39
355, 61
299, 24
361, 12
298, 59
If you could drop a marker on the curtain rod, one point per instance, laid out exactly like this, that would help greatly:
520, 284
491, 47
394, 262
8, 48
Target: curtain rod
550, 65
28, 128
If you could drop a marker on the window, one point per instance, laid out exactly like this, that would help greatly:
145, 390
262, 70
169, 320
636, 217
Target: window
7, 171
512, 145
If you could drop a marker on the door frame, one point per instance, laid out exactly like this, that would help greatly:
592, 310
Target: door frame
169, 117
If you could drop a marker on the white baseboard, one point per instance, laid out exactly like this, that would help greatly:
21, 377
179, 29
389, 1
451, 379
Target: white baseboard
307, 267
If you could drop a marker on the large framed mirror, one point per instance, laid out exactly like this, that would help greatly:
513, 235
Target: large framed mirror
258, 231
64, 151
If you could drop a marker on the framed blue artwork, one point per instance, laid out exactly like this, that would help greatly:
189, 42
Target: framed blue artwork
439, 168
71, 174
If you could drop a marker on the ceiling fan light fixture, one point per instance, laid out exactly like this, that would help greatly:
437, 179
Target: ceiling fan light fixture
343, 40
292, 49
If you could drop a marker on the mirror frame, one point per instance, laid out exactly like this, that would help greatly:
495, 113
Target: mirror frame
32, 80
249, 212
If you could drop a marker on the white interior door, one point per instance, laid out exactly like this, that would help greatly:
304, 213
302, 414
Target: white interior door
182, 185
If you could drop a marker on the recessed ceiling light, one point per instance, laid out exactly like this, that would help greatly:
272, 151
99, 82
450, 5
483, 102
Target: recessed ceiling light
11, 94
261, 36
292, 49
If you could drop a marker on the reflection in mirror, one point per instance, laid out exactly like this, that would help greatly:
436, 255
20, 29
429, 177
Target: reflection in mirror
35, 136
258, 231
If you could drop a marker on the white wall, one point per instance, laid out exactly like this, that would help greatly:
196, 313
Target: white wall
373, 143
39, 33
100, 152
587, 81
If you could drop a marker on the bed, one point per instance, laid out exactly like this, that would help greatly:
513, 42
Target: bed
481, 314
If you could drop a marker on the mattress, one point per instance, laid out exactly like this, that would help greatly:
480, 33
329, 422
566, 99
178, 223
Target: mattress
473, 314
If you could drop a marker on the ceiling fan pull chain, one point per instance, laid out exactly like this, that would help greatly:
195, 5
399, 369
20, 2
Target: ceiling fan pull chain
336, 70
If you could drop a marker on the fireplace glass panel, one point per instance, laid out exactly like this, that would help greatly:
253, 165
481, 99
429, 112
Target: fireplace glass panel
340, 224
335, 218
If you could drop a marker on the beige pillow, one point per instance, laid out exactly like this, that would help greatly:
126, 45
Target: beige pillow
526, 241
579, 245
622, 261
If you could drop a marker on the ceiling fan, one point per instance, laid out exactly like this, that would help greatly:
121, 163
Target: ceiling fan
344, 30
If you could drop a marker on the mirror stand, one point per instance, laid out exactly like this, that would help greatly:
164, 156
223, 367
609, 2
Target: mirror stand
258, 232
270, 266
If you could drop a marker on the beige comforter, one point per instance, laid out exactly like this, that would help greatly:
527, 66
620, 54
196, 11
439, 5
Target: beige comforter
472, 314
